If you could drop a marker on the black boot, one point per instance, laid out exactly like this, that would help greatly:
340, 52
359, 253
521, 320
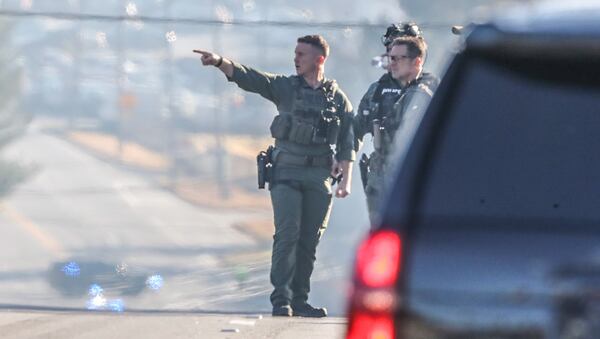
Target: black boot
306, 310
282, 311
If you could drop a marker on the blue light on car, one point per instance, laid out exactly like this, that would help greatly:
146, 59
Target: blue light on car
96, 303
95, 290
155, 282
71, 269
116, 305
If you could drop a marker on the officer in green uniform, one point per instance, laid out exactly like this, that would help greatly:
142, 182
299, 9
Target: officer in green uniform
314, 140
384, 106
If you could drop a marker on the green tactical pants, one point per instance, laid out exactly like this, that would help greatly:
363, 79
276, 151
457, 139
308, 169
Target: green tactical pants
374, 187
374, 200
301, 200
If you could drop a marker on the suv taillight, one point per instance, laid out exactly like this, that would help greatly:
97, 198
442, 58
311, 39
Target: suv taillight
378, 260
373, 299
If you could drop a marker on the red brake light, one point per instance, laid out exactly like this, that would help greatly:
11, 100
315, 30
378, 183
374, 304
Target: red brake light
378, 259
374, 298
366, 326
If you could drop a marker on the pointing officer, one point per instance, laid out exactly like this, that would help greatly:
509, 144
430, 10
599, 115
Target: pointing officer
314, 140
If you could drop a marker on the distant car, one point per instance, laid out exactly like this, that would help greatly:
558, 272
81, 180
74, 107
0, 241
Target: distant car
491, 227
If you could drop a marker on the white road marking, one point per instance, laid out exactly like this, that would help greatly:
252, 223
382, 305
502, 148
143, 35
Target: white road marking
242, 322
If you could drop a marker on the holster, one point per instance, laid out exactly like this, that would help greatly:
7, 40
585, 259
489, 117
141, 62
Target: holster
264, 165
363, 166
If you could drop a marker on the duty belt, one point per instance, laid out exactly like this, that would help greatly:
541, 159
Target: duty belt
305, 160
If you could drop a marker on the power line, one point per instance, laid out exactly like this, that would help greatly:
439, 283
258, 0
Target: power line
211, 22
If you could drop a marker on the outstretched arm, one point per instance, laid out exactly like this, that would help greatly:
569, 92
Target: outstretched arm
212, 59
270, 86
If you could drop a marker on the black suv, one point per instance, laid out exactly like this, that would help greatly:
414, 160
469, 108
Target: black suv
491, 227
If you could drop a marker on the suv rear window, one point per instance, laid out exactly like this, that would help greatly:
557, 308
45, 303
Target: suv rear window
521, 139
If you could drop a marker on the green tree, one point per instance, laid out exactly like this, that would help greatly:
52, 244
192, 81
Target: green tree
12, 119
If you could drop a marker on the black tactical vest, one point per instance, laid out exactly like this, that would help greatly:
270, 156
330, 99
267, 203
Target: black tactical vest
385, 96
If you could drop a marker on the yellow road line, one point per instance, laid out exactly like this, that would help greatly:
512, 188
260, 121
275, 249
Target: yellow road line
46, 240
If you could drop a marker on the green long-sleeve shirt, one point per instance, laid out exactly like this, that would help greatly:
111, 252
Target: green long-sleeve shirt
281, 90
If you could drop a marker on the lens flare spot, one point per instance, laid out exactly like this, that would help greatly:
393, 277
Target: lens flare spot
122, 269
347, 32
131, 9
224, 14
171, 36
155, 282
101, 40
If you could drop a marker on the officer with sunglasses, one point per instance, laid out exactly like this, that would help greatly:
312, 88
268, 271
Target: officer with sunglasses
382, 108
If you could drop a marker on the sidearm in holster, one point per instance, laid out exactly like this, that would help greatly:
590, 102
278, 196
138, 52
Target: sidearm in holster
363, 165
264, 165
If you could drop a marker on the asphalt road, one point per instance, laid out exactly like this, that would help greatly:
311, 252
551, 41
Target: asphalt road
148, 326
79, 221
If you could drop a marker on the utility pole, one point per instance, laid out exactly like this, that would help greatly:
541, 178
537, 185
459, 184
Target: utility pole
76, 51
172, 149
220, 112
120, 74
